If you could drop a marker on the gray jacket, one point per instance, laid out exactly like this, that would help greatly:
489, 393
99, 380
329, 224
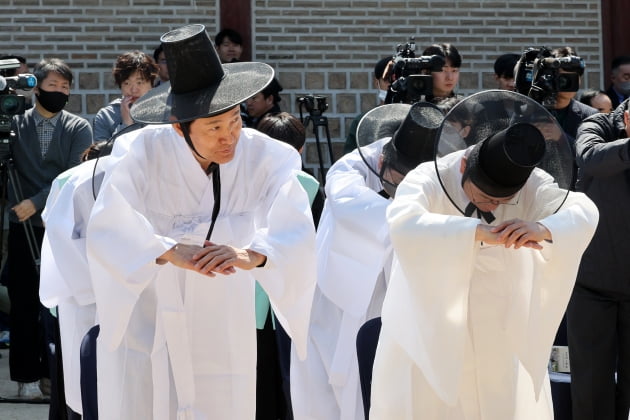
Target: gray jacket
71, 137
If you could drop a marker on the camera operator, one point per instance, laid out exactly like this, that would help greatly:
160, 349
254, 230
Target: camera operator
48, 141
567, 110
444, 78
445, 81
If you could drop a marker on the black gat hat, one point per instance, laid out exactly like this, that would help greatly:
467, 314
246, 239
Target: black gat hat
200, 86
501, 164
412, 128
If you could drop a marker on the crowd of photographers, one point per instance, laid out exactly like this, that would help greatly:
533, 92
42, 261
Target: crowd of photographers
51, 141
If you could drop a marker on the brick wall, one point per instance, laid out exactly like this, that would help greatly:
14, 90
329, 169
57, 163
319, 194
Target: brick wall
317, 47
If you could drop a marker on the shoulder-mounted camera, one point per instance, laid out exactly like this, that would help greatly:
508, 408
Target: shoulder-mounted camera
411, 76
541, 76
10, 102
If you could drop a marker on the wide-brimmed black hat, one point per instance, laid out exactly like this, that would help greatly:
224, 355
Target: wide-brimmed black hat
501, 164
200, 86
486, 113
412, 129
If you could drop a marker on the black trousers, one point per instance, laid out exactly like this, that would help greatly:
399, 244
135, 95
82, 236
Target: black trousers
367, 340
89, 400
27, 353
270, 402
599, 346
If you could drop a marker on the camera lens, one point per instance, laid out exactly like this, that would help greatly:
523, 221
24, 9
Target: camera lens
11, 104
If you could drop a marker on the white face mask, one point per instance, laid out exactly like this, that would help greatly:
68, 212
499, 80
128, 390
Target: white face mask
382, 94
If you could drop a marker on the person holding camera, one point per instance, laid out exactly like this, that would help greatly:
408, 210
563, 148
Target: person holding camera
135, 73
567, 110
444, 81
48, 141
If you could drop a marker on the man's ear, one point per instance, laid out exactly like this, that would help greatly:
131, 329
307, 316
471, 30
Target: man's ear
626, 121
178, 129
462, 165
379, 165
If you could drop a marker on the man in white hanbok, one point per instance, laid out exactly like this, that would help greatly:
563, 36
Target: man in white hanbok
64, 280
193, 213
354, 255
473, 305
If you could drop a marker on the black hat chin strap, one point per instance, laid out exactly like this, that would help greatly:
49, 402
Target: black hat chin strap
185, 126
216, 191
470, 209
213, 169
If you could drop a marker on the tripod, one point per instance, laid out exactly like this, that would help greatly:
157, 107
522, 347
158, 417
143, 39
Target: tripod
320, 121
9, 175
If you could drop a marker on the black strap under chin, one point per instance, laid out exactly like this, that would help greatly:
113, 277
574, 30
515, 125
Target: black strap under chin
216, 191
487, 215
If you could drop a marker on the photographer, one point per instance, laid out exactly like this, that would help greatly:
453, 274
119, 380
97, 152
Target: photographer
567, 110
445, 81
48, 141
406, 74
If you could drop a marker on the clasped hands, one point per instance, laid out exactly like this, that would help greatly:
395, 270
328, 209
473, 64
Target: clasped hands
212, 258
514, 233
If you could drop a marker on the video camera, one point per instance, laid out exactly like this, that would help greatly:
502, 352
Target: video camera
10, 102
411, 76
537, 75
314, 104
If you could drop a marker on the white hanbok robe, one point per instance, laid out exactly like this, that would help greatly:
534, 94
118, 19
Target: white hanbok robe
467, 328
174, 343
64, 279
353, 249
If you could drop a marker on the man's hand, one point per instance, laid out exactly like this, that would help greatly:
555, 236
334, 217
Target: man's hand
24, 210
180, 255
514, 233
212, 258
225, 259
125, 110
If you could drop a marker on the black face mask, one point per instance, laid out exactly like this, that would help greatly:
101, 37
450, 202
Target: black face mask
52, 101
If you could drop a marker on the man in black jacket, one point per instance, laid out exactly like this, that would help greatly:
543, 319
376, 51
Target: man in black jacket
619, 88
599, 311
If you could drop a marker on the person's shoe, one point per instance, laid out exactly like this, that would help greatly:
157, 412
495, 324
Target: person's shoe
29, 391
44, 386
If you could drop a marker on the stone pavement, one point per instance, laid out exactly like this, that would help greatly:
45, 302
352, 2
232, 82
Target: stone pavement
8, 390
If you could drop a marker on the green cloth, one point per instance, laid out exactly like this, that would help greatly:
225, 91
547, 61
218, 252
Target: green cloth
311, 186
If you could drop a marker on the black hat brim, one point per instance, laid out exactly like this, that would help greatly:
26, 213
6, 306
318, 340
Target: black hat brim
494, 110
240, 82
